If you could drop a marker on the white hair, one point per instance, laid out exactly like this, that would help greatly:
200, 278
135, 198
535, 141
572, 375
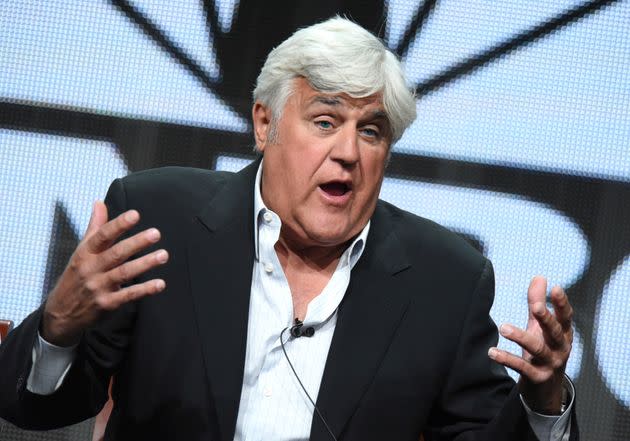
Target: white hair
337, 56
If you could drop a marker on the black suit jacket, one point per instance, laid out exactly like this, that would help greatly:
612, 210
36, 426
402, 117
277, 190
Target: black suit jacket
409, 353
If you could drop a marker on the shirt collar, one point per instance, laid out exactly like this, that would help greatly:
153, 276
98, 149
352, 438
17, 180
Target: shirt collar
349, 257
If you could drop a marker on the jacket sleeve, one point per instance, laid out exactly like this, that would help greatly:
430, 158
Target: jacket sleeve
84, 390
479, 400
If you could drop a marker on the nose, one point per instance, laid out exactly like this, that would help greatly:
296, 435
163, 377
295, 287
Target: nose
346, 147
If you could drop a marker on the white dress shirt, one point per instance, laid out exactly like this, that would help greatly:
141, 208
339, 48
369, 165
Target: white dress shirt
273, 405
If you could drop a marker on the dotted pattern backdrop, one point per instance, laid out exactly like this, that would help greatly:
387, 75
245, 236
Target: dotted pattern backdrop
521, 143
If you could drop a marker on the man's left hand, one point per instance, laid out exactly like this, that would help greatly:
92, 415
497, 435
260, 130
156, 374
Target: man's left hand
546, 347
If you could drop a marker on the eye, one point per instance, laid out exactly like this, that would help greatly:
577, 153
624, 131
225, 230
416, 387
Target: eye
370, 132
324, 124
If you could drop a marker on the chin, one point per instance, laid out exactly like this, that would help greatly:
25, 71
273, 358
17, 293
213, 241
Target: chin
328, 237
327, 229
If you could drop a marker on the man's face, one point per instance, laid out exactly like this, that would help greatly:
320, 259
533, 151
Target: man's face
323, 171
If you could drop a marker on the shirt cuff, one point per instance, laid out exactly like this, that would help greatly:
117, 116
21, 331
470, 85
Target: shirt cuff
50, 365
552, 427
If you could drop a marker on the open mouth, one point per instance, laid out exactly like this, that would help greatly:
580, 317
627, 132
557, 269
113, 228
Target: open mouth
335, 188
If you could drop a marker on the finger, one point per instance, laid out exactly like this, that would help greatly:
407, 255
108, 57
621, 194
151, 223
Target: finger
123, 250
97, 218
551, 328
562, 308
536, 294
128, 271
104, 236
517, 363
532, 343
111, 301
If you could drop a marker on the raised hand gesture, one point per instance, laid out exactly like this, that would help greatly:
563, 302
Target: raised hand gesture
93, 280
546, 347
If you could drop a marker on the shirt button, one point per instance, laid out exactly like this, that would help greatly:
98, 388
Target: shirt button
268, 268
267, 391
267, 217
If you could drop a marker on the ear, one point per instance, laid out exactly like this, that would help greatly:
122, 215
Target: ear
261, 116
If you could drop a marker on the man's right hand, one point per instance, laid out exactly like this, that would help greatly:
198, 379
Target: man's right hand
92, 281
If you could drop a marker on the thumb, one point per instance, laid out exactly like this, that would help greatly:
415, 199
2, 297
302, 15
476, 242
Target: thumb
98, 217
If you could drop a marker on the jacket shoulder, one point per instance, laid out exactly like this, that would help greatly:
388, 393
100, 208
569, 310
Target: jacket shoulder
171, 187
422, 237
179, 177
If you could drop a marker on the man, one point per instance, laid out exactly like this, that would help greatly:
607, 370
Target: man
285, 283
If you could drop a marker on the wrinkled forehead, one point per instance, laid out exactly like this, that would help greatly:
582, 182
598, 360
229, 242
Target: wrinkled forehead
311, 98
372, 104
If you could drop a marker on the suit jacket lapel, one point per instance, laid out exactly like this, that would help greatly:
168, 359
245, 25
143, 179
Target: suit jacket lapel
368, 317
221, 253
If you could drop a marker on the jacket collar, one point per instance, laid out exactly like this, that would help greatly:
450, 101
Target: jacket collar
368, 317
220, 260
223, 237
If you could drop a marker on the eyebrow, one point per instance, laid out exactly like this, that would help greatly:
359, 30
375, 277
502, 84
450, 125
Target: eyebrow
380, 114
335, 101
327, 100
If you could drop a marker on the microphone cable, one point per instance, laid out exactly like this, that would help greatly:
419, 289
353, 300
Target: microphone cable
297, 326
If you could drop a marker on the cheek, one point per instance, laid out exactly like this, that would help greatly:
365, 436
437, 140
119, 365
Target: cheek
304, 168
298, 179
374, 169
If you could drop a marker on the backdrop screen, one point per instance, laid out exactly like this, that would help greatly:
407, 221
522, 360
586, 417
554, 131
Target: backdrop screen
522, 141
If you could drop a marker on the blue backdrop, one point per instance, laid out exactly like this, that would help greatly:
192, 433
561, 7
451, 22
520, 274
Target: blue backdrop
522, 142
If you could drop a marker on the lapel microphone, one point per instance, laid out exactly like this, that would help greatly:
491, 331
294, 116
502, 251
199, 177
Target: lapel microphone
298, 330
